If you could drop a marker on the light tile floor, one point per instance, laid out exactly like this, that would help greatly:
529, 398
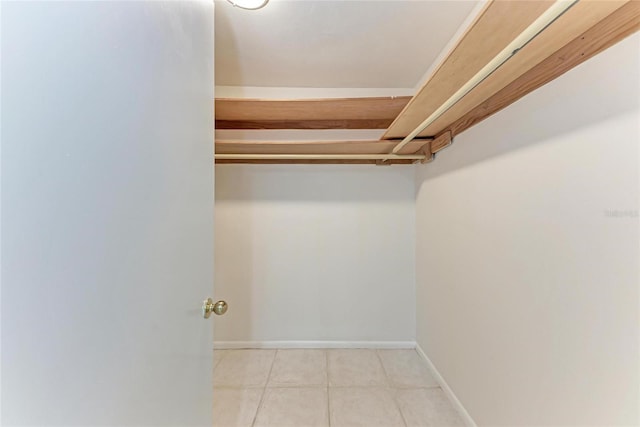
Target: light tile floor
304, 388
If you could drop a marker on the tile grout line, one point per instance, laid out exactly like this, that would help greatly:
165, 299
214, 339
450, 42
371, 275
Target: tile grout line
237, 387
299, 386
264, 389
215, 364
393, 390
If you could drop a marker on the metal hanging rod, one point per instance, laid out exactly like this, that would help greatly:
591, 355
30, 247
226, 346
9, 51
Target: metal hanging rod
543, 21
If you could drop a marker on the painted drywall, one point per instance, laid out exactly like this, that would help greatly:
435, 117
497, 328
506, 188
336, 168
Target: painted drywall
333, 44
528, 253
318, 253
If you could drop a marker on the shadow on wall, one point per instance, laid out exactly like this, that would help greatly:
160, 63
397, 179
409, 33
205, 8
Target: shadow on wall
584, 102
224, 31
313, 183
234, 272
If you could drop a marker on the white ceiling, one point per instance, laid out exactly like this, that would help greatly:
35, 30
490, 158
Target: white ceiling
333, 44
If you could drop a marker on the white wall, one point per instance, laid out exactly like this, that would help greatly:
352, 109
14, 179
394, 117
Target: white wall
527, 253
315, 253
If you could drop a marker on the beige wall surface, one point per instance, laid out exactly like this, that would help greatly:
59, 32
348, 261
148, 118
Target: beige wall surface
318, 253
528, 250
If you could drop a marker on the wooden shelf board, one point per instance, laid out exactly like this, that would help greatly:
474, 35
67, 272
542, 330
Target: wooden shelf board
330, 113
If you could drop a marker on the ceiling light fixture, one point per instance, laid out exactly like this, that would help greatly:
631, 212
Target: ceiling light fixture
249, 4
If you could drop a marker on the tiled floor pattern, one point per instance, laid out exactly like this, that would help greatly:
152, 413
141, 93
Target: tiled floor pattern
339, 388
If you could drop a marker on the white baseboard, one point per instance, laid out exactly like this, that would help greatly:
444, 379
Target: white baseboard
221, 345
466, 418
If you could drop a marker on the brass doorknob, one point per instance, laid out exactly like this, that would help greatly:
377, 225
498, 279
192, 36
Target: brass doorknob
218, 307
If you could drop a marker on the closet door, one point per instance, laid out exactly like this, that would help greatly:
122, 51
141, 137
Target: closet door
107, 213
